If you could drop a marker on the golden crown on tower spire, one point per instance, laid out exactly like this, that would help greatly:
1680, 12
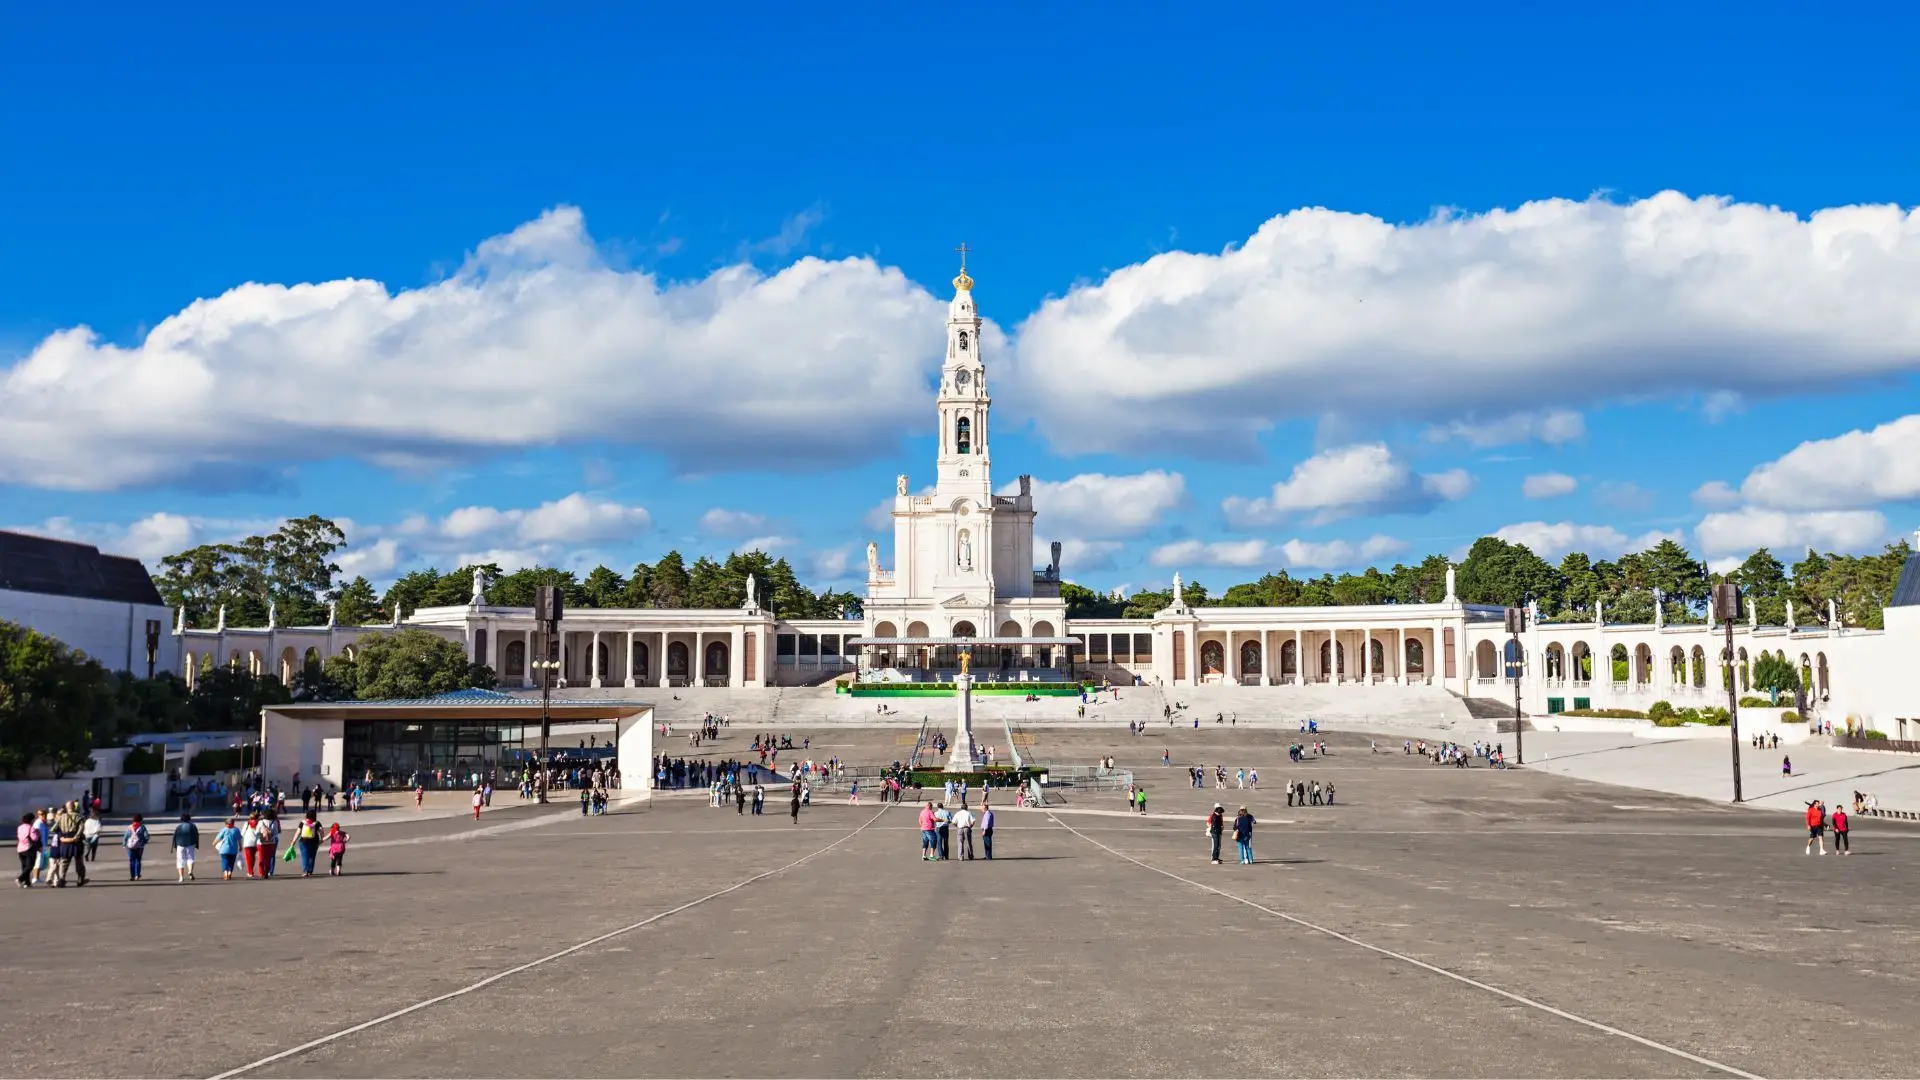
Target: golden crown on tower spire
962, 282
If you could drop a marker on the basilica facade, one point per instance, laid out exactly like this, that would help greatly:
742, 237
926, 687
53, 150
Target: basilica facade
967, 585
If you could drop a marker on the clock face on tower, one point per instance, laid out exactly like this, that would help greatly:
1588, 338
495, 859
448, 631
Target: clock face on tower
963, 377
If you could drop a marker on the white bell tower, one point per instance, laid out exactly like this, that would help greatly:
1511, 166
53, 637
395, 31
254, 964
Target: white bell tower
964, 464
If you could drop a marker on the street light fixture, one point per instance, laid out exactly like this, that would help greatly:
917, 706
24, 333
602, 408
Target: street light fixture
1517, 625
1726, 608
546, 612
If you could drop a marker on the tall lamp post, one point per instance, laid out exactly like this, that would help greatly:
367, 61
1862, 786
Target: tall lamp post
153, 644
1517, 625
546, 611
1726, 608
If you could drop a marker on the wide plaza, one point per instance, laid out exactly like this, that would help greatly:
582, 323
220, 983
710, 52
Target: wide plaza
1434, 921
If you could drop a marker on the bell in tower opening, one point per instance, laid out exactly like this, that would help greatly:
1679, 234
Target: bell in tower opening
963, 436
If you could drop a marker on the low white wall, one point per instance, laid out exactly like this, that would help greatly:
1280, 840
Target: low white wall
22, 796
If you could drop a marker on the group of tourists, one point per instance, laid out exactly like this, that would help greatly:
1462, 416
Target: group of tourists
56, 846
937, 825
1242, 833
1299, 751
1818, 820
1242, 778
1303, 793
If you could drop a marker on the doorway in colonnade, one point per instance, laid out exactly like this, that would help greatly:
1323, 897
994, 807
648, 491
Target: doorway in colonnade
1333, 659
515, 663
719, 672
602, 656
640, 664
1213, 659
1250, 660
1377, 656
1289, 660
1416, 657
677, 663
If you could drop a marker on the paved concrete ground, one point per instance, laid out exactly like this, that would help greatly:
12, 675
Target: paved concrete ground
1704, 768
1434, 922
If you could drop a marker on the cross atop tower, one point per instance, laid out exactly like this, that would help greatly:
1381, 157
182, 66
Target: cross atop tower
963, 283
963, 249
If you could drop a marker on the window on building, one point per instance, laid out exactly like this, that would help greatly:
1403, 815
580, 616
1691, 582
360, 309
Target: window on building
1142, 647
1097, 647
784, 644
809, 645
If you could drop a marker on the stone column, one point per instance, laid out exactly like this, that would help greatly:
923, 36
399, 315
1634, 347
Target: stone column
1193, 654
1230, 660
629, 662
1299, 658
526, 673
961, 758
737, 660
660, 660
698, 664
1366, 657
593, 661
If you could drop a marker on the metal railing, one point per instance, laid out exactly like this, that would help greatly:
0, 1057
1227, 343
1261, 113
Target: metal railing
1861, 742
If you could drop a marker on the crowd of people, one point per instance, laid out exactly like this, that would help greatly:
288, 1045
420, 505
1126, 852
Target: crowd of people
55, 845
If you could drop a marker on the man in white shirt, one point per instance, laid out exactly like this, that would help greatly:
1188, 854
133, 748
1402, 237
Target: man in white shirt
963, 820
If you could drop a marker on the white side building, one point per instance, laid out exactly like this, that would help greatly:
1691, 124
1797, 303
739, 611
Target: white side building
103, 605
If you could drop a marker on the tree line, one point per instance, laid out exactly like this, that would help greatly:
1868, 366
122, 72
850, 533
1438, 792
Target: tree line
1508, 574
293, 573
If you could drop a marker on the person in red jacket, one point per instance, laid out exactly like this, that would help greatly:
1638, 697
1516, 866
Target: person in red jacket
1840, 827
1816, 826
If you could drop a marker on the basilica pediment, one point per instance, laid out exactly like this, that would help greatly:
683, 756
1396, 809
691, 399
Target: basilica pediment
959, 601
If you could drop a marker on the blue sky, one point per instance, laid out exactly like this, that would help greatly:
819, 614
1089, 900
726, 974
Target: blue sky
557, 288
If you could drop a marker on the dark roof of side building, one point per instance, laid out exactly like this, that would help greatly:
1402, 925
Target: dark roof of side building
1907, 592
36, 564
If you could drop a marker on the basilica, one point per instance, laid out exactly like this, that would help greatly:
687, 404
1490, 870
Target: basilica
966, 586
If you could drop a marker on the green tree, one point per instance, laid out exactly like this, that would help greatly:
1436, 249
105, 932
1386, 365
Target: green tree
1680, 579
1763, 579
1498, 572
1775, 675
358, 604
50, 696
1581, 582
291, 568
409, 663
411, 592
669, 581
1084, 603
603, 588
226, 698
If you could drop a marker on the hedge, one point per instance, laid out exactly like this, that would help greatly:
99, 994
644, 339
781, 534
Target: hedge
1610, 714
1755, 703
1872, 734
1791, 717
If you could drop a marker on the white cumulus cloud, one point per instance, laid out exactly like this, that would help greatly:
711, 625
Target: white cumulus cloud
1097, 505
734, 367
1346, 481
1555, 427
1338, 554
1548, 485
1550, 540
1856, 469
1550, 305
720, 521
1715, 495
572, 520
1739, 532
1216, 553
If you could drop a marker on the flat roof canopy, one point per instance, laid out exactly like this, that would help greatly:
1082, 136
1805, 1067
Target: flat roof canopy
964, 641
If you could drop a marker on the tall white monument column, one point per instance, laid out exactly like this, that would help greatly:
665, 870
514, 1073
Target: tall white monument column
961, 759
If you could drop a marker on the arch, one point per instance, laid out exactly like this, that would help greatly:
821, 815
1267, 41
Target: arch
1642, 664
1740, 662
1820, 673
917, 629
1556, 660
233, 659
717, 661
516, 662
289, 665
640, 664
1043, 629
350, 652
1289, 659
1333, 658
964, 628
1009, 629
1249, 658
884, 628
677, 665
1619, 664
1580, 662
1699, 667
963, 435
1213, 658
1486, 660
1377, 656
1513, 660
312, 663
602, 661
1416, 657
